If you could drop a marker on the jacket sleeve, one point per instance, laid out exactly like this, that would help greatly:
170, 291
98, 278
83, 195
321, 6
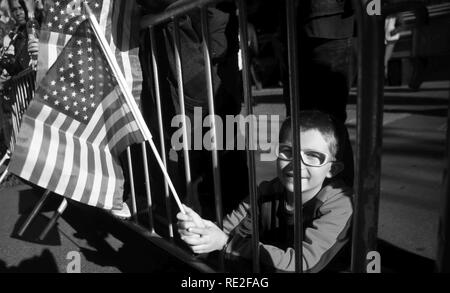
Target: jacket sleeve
322, 240
233, 219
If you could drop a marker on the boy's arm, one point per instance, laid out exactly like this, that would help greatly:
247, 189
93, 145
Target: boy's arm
322, 241
266, 192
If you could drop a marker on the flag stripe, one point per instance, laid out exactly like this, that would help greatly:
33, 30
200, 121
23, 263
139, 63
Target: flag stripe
111, 185
103, 183
114, 195
53, 149
37, 125
99, 169
123, 143
92, 198
121, 134
88, 186
69, 158
127, 69
15, 125
104, 16
78, 192
83, 170
44, 149
61, 154
75, 163
133, 55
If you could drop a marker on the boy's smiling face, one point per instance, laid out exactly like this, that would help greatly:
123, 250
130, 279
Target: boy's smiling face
312, 177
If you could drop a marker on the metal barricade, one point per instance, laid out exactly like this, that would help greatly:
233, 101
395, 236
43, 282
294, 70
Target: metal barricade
167, 243
18, 93
369, 126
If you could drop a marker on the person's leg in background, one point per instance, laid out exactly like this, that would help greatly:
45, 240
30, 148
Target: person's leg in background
326, 74
327, 84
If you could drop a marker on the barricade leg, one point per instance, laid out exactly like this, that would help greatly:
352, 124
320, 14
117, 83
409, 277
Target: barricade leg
33, 213
54, 218
3, 175
132, 190
5, 157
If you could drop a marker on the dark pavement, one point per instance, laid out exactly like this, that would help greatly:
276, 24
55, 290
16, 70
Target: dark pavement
104, 244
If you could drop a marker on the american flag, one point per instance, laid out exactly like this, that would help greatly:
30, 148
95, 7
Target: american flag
76, 126
119, 23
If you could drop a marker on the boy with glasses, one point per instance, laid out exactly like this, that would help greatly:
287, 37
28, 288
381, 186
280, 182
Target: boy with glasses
327, 205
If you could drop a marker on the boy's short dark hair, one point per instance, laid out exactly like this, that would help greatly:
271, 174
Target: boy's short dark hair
333, 131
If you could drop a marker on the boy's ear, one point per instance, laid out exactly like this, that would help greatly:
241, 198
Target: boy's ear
336, 168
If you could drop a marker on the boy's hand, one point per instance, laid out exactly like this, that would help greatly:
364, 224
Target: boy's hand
189, 220
211, 238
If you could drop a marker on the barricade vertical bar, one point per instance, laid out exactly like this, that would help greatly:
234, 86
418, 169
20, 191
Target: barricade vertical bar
294, 79
369, 134
147, 188
160, 126
133, 193
209, 86
212, 114
21, 99
13, 126
176, 41
17, 98
15, 119
243, 41
15, 122
25, 94
443, 247
32, 82
29, 95
14, 109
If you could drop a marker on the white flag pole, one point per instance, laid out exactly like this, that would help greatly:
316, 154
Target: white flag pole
129, 98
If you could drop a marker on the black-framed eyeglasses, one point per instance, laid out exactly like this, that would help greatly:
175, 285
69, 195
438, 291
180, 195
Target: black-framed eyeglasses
310, 158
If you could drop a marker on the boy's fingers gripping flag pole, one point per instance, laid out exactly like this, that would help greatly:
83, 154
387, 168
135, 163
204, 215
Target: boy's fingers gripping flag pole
129, 99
